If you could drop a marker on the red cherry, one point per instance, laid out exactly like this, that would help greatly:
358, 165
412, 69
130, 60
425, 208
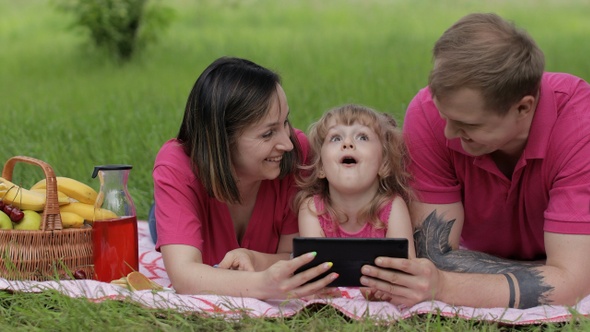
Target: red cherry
7, 209
2, 205
79, 274
16, 215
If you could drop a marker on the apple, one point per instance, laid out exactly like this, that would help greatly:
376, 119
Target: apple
5, 222
30, 222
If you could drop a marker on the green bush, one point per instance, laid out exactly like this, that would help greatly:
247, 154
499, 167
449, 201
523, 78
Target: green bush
120, 27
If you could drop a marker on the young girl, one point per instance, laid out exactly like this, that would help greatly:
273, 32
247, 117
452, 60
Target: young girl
356, 184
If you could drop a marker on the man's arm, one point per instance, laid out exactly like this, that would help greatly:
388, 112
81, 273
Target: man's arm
560, 280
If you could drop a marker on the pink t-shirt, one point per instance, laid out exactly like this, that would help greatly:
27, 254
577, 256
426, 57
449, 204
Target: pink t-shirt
368, 231
186, 214
549, 190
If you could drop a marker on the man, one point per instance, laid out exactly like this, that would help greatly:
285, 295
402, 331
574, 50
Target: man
500, 154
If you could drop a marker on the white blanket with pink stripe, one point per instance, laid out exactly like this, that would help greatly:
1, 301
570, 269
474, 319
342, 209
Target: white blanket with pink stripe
352, 303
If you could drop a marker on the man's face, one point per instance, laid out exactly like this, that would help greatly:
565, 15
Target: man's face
481, 131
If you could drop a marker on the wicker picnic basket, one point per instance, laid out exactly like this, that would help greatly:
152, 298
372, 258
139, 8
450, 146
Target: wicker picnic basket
50, 253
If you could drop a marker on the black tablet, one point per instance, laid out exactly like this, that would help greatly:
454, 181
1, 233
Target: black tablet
348, 255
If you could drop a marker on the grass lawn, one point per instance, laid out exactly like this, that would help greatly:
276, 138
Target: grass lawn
66, 104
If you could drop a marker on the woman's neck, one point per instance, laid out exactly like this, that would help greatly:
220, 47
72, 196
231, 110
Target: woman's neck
248, 190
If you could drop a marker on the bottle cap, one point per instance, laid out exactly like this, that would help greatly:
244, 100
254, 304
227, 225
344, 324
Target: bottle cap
113, 167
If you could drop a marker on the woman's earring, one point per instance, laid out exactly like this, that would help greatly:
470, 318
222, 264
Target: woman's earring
321, 174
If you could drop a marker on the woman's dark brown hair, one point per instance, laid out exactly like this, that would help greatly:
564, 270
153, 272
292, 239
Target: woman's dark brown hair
230, 95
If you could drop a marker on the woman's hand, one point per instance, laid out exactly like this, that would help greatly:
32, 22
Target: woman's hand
238, 259
281, 282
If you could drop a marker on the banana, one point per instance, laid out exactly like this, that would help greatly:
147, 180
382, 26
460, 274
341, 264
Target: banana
88, 212
20, 197
73, 188
71, 220
62, 199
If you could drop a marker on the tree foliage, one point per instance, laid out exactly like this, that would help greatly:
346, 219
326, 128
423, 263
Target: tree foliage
120, 27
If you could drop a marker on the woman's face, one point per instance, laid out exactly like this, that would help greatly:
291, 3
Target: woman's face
261, 146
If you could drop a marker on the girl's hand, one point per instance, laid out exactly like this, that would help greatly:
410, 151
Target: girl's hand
238, 259
281, 282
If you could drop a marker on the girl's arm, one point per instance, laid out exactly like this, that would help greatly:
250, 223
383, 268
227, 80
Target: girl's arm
400, 224
309, 225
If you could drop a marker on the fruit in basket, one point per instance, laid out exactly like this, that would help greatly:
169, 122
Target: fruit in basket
62, 198
20, 197
71, 220
72, 188
5, 222
13, 212
16, 214
79, 274
30, 222
88, 212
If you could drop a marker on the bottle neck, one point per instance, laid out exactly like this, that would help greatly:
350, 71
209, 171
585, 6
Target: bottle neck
112, 180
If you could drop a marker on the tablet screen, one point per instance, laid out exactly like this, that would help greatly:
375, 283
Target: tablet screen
348, 255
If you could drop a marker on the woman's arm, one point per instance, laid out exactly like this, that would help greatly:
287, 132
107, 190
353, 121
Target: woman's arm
249, 260
189, 276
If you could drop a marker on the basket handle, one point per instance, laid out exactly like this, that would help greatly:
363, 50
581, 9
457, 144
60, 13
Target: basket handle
51, 219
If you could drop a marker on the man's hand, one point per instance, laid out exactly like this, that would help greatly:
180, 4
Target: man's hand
401, 281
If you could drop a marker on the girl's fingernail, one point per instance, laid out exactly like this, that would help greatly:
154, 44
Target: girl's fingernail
335, 275
216, 265
328, 265
312, 254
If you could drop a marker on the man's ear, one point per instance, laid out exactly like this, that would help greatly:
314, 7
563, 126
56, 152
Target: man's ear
526, 105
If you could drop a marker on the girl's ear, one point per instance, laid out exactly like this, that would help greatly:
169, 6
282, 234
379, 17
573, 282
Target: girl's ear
321, 173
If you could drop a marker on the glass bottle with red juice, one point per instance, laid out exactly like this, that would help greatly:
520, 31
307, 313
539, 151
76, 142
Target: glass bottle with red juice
114, 233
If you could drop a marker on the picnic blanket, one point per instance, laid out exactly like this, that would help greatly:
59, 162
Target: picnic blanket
351, 304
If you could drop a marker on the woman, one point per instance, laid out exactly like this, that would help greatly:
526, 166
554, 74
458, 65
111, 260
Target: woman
223, 189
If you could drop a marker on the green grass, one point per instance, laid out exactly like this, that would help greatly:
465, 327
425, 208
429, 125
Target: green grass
65, 104
50, 311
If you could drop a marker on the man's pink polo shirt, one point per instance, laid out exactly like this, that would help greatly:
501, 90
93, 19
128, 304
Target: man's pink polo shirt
549, 190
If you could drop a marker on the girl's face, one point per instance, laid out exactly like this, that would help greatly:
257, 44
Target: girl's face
261, 146
351, 156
